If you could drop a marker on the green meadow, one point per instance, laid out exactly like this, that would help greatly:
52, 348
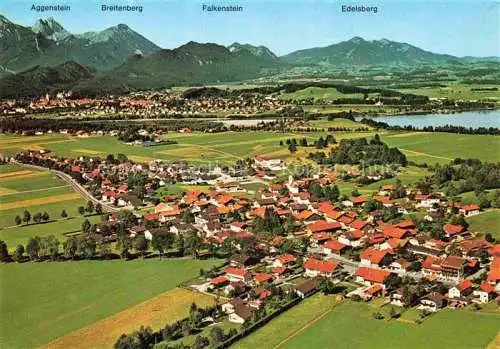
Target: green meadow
351, 325
43, 301
486, 222
444, 147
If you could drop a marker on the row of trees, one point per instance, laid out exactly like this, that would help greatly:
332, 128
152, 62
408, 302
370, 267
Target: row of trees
37, 218
40, 217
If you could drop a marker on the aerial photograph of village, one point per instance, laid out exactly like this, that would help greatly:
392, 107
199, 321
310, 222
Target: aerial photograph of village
266, 174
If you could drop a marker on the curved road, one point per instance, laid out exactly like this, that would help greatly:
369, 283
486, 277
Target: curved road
76, 186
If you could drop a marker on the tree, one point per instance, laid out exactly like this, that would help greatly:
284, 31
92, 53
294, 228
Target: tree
86, 246
64, 214
26, 217
86, 227
70, 247
45, 217
37, 217
488, 237
4, 252
18, 220
33, 248
50, 246
292, 148
90, 207
18, 253
217, 334
179, 244
188, 216
193, 244
103, 249
200, 342
81, 210
126, 342
141, 244
162, 242
98, 208
124, 244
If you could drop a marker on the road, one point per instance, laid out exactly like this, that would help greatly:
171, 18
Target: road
76, 186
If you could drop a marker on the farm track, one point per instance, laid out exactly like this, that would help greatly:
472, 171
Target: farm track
76, 186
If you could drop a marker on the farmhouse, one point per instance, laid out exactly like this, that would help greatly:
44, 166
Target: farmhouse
370, 276
470, 210
315, 267
461, 290
432, 302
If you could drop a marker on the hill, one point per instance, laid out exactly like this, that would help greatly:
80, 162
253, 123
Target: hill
363, 52
47, 43
259, 51
40, 80
190, 64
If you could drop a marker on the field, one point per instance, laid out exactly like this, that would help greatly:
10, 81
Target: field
20, 235
486, 222
230, 146
44, 301
456, 91
443, 147
319, 93
156, 312
36, 191
350, 325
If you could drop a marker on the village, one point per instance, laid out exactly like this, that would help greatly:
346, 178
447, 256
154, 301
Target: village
141, 105
293, 236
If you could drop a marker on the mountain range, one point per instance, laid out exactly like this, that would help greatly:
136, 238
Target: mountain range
118, 59
47, 43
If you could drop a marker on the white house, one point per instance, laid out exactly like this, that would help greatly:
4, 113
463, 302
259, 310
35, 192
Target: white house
484, 294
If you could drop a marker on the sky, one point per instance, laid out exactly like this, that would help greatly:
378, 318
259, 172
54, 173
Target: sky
460, 28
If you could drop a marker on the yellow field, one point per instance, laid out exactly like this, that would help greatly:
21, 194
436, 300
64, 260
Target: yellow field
6, 191
141, 159
39, 201
156, 312
14, 174
88, 151
495, 343
28, 174
401, 135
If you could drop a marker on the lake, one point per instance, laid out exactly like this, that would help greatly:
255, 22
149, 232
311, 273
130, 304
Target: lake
472, 119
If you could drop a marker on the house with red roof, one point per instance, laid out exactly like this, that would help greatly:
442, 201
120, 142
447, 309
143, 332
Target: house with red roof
385, 201
355, 201
391, 231
109, 196
470, 210
237, 274
452, 230
315, 267
386, 189
463, 289
324, 226
484, 294
493, 277
375, 258
427, 200
355, 238
318, 239
284, 260
450, 268
359, 224
262, 278
334, 247
219, 281
369, 276
238, 226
